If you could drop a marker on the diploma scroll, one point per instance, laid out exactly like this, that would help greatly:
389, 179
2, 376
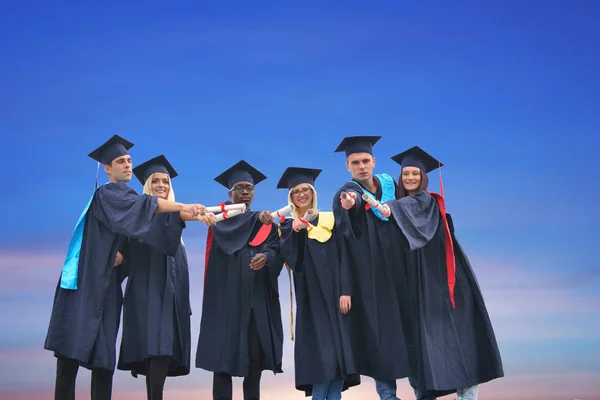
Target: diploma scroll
283, 211
228, 214
348, 196
308, 216
373, 203
228, 207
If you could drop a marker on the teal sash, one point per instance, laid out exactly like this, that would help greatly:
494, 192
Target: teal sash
387, 192
68, 277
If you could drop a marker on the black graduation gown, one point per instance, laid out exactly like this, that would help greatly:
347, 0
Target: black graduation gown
374, 275
84, 322
232, 290
451, 348
323, 347
156, 307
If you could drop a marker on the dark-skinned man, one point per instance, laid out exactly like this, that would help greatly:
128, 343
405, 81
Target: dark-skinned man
241, 332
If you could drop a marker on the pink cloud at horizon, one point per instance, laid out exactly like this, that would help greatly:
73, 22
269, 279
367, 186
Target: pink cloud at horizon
518, 314
583, 386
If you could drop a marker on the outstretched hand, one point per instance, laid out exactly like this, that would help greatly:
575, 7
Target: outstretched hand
386, 212
194, 209
208, 219
266, 218
348, 201
298, 225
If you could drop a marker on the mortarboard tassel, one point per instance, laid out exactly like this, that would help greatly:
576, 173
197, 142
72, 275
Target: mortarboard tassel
441, 181
97, 170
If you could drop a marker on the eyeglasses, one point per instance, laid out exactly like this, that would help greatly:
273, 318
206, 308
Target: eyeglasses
241, 188
296, 192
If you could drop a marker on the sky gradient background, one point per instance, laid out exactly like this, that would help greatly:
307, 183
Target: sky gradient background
505, 93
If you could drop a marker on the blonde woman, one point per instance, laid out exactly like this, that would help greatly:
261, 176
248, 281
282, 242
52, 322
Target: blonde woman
323, 360
86, 311
156, 311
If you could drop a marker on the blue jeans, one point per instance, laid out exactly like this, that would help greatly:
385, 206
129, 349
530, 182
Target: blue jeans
469, 393
386, 390
329, 390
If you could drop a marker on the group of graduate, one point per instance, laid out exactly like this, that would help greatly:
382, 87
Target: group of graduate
383, 290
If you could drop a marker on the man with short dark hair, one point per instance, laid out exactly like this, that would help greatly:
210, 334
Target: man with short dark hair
87, 303
375, 279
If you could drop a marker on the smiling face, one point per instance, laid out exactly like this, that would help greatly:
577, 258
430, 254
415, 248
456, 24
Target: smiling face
302, 196
160, 185
411, 179
119, 169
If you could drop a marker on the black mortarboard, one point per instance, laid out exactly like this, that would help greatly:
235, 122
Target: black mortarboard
357, 144
293, 176
240, 172
114, 147
157, 164
417, 157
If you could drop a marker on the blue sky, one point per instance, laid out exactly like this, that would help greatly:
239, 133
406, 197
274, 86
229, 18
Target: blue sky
506, 94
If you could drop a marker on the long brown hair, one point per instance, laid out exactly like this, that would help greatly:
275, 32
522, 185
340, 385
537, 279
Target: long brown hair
401, 192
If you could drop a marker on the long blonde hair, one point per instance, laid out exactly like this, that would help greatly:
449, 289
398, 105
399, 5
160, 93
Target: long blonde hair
170, 195
313, 205
148, 187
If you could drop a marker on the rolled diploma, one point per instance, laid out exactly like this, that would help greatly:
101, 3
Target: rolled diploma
228, 207
309, 215
373, 202
232, 213
348, 196
283, 211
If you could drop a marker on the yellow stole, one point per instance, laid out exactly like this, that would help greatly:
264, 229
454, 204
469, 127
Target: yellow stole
322, 233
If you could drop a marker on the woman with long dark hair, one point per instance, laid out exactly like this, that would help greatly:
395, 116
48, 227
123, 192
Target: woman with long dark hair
450, 339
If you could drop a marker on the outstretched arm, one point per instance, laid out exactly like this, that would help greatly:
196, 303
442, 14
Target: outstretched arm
350, 200
208, 218
173, 206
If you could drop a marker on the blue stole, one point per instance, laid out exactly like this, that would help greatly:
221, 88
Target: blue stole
68, 277
387, 192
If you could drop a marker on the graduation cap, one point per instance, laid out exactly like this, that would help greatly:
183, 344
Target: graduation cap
114, 147
294, 176
152, 166
417, 157
240, 172
357, 144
